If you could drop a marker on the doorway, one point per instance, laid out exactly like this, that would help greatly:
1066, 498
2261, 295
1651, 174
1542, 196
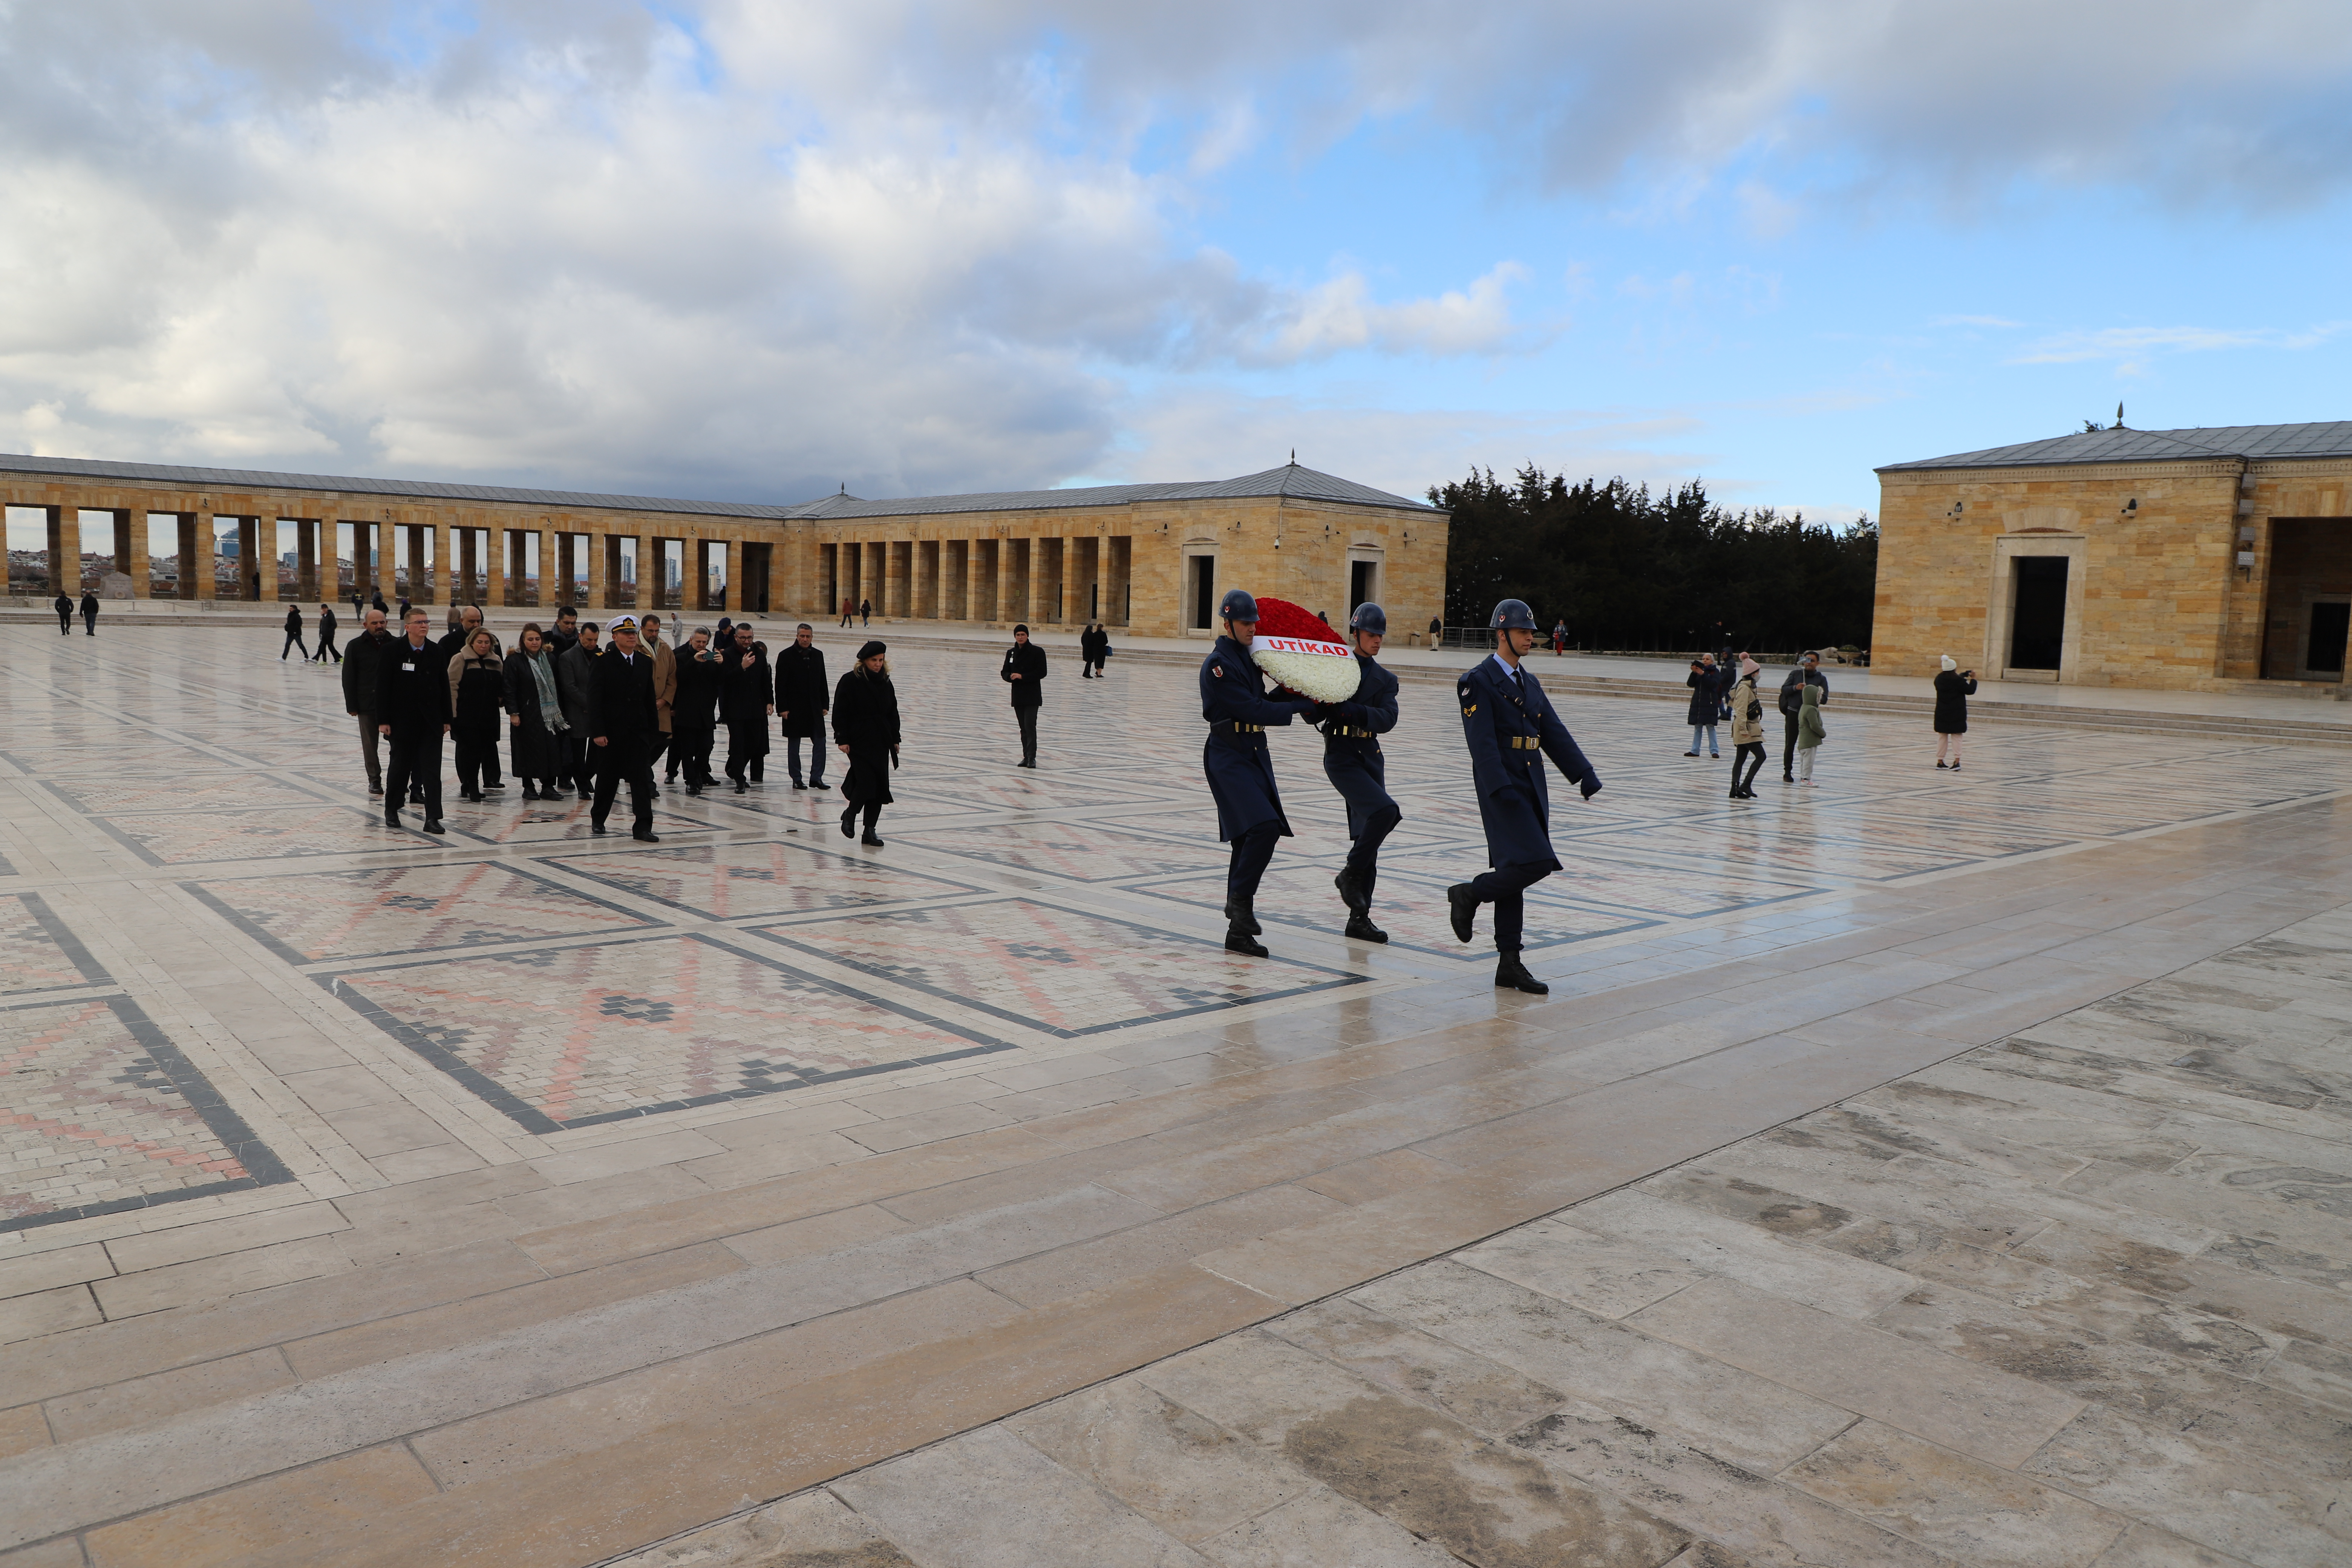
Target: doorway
2037, 623
1363, 583
1201, 591
2310, 599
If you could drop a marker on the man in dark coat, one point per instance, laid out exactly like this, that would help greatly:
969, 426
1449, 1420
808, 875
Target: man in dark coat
694, 715
412, 711
362, 663
802, 700
1506, 720
573, 671
566, 633
1352, 762
64, 607
1025, 671
866, 727
293, 635
624, 728
89, 613
1239, 767
1792, 705
747, 689
327, 635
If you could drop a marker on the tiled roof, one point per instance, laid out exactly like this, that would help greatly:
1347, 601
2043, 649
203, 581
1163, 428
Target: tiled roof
1291, 480
2332, 439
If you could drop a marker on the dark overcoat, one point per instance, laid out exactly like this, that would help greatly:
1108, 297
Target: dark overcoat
1707, 697
866, 720
1506, 723
620, 700
743, 696
412, 689
574, 669
1953, 691
695, 709
1026, 660
1353, 763
1239, 766
803, 697
531, 743
362, 661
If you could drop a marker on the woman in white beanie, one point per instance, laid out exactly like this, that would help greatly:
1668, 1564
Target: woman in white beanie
1954, 687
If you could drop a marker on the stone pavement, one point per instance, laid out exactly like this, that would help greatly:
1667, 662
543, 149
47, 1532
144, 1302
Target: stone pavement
524, 1198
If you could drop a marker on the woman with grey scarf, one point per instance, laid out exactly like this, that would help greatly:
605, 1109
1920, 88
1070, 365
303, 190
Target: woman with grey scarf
535, 715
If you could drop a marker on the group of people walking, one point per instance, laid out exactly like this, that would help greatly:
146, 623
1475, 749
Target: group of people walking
64, 605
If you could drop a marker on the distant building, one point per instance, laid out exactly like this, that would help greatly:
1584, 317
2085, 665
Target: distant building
2185, 559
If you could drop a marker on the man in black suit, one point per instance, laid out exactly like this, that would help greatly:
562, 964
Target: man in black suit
624, 729
412, 710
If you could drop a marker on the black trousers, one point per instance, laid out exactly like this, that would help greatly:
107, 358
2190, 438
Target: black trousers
416, 762
1364, 853
584, 754
1749, 755
689, 752
1028, 719
1253, 852
624, 758
816, 758
327, 648
1502, 888
478, 754
65, 623
90, 625
742, 749
1789, 745
294, 641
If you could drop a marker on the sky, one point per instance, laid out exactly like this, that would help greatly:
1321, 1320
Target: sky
760, 251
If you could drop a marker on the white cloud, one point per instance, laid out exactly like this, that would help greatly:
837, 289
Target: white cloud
1342, 315
2136, 344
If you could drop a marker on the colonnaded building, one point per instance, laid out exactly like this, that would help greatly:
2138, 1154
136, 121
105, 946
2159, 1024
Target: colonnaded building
1151, 558
2190, 559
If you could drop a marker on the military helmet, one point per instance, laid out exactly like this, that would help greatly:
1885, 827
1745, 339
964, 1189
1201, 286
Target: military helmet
1237, 605
1512, 615
1370, 617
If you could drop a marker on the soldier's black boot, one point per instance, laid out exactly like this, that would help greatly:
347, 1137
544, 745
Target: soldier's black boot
1361, 927
1462, 904
1241, 934
1511, 973
1352, 892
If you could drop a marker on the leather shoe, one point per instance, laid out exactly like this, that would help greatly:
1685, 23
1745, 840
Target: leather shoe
598, 829
435, 826
644, 835
1512, 976
1361, 927
870, 841
392, 820
1242, 917
1461, 905
1352, 889
1241, 942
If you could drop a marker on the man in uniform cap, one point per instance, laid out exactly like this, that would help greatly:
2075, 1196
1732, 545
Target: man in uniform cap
1507, 722
624, 729
1239, 767
1352, 762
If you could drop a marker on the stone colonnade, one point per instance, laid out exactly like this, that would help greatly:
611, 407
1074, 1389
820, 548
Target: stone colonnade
1050, 579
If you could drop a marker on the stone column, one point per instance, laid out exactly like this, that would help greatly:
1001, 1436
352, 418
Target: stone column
306, 560
1115, 575
494, 566
65, 551
130, 552
202, 545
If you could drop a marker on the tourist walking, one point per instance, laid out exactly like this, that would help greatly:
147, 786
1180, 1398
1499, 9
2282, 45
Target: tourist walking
65, 609
1240, 766
866, 729
1094, 649
1811, 732
865, 613
535, 723
361, 669
694, 712
411, 711
1705, 683
1507, 721
1954, 687
478, 693
1353, 763
1807, 673
293, 635
575, 671
1558, 638
1747, 731
624, 728
747, 690
802, 700
90, 615
848, 609
1025, 671
1436, 631
327, 635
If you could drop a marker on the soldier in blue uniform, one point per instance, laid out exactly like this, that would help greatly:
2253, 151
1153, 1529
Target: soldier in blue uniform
1352, 762
1239, 766
1509, 721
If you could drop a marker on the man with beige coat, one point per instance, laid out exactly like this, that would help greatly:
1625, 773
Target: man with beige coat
664, 688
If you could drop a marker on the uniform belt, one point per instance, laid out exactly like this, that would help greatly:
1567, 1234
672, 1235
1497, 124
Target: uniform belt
1243, 729
1345, 732
1527, 743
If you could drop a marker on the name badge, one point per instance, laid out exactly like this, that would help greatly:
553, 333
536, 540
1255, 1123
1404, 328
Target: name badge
408, 667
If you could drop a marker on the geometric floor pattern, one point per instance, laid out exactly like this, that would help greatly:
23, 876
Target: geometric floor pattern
314, 915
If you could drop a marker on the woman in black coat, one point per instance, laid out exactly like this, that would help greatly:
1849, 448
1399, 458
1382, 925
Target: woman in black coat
694, 711
534, 714
1954, 687
866, 727
747, 690
477, 696
1094, 648
1705, 683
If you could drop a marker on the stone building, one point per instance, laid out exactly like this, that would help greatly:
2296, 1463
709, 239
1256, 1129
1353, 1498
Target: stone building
2186, 559
1151, 558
